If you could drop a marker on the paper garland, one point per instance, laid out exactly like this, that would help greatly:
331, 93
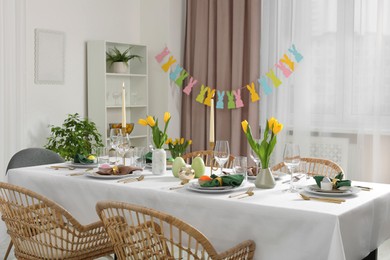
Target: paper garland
286, 65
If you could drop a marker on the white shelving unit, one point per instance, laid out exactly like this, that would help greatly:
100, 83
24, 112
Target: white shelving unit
105, 89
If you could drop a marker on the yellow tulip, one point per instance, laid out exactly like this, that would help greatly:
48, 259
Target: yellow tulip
175, 142
277, 127
150, 121
244, 125
189, 142
182, 140
167, 116
271, 122
142, 121
169, 140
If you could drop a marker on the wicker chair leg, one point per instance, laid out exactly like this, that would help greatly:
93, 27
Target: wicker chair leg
8, 250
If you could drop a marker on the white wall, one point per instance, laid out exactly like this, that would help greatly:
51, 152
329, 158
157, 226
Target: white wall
163, 24
80, 20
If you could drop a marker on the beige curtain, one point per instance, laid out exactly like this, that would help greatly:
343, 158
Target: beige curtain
222, 47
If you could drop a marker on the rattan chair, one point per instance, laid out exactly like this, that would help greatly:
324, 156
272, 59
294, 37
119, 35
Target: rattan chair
41, 229
208, 158
31, 157
315, 166
142, 233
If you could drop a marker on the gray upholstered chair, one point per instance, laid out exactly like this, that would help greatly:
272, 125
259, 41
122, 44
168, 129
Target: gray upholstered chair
31, 157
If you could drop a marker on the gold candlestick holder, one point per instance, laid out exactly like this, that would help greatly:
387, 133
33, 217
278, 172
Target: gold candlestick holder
212, 144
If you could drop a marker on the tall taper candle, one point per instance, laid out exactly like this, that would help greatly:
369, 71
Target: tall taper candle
123, 106
211, 136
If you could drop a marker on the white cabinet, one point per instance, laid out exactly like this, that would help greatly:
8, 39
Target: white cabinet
105, 89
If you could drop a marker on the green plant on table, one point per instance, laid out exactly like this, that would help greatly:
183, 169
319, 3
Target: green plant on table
75, 136
115, 55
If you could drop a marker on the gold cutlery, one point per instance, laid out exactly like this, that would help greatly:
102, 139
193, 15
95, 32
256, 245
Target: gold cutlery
240, 194
133, 179
62, 167
248, 194
364, 188
176, 187
75, 174
331, 200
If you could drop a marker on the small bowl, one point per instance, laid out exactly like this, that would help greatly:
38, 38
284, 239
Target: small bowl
186, 174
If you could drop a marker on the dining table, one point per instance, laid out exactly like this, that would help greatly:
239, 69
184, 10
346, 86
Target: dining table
281, 223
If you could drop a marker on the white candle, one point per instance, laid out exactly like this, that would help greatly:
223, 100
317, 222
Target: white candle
123, 106
212, 121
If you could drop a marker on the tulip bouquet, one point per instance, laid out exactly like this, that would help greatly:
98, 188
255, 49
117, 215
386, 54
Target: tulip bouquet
159, 137
178, 147
264, 148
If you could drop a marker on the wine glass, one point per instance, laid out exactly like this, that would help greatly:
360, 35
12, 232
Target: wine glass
256, 159
221, 153
291, 158
123, 145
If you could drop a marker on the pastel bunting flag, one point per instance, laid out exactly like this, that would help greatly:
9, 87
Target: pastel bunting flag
168, 64
231, 103
297, 56
237, 95
174, 74
286, 71
159, 57
220, 103
210, 95
286, 60
264, 83
200, 96
275, 80
252, 89
181, 78
190, 85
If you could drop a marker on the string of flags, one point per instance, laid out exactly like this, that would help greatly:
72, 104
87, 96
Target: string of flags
286, 65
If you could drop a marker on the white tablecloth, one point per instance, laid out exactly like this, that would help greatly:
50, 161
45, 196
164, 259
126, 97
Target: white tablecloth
282, 225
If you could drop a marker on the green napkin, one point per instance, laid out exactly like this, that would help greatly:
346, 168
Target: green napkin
228, 180
148, 157
79, 158
340, 182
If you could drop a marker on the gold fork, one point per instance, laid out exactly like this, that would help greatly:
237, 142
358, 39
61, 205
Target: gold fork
244, 193
331, 200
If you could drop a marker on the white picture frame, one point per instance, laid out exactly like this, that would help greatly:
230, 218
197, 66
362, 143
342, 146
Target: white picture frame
49, 57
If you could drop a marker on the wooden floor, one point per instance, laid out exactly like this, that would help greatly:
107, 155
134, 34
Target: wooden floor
383, 252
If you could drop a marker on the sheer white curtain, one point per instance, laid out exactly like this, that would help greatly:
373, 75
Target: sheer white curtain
12, 83
336, 104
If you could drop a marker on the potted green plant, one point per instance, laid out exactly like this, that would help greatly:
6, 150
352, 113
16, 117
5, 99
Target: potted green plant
119, 61
75, 136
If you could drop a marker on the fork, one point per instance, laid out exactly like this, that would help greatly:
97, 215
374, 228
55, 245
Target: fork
244, 193
133, 179
331, 200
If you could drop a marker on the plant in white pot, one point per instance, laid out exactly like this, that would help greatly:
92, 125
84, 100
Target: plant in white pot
119, 61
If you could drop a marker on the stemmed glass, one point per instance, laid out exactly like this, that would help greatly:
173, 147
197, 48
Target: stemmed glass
221, 153
123, 145
291, 158
256, 159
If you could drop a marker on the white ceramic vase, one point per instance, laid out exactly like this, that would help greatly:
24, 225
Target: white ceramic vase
265, 179
119, 67
159, 161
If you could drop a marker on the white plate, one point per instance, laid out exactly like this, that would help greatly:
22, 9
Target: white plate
80, 165
99, 176
349, 192
194, 186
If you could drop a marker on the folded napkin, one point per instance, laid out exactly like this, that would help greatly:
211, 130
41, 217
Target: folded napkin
119, 170
148, 157
229, 180
337, 181
79, 158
